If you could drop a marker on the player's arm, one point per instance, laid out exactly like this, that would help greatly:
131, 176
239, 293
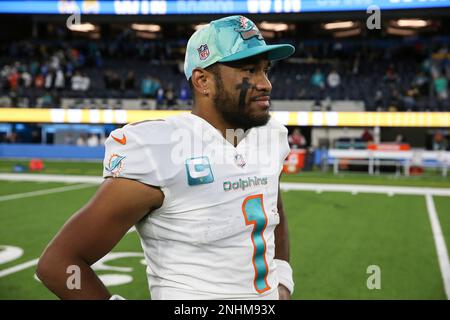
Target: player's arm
282, 252
91, 233
281, 232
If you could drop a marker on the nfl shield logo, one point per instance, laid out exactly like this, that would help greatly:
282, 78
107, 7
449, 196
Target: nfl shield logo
239, 160
243, 22
203, 51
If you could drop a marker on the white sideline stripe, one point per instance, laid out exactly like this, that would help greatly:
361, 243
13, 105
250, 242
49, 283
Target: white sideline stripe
439, 241
318, 187
354, 188
18, 268
43, 192
50, 178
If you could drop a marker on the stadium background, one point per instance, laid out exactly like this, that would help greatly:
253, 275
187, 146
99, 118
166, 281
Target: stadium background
365, 188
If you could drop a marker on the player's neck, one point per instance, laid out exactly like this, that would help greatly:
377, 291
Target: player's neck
216, 120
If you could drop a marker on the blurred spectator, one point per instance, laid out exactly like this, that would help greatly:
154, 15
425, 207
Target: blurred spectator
54, 62
114, 81
77, 82
296, 139
13, 79
26, 79
395, 101
130, 81
439, 141
170, 98
107, 79
333, 79
59, 80
379, 100
85, 83
35, 136
149, 87
318, 83
146, 87
440, 87
367, 136
12, 138
410, 98
392, 80
81, 140
93, 140
68, 139
400, 139
14, 98
317, 79
44, 70
49, 80
184, 95
39, 81
333, 82
160, 98
421, 83
34, 68
47, 100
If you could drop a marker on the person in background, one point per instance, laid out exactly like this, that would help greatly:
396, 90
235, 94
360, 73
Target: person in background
81, 140
296, 139
85, 83
367, 136
170, 98
77, 82
440, 87
160, 98
318, 82
130, 80
68, 139
146, 87
59, 80
93, 140
439, 141
333, 82
399, 139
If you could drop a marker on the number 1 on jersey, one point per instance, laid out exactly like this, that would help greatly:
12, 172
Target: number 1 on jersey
254, 214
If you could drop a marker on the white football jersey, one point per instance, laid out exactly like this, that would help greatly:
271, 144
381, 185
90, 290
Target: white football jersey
213, 237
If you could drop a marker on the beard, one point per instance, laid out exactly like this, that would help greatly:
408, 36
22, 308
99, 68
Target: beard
238, 117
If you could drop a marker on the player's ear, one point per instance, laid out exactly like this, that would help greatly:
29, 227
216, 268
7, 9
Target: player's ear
201, 82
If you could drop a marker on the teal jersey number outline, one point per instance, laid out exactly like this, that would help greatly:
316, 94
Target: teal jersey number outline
254, 214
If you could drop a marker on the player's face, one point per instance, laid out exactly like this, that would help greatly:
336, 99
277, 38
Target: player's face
242, 92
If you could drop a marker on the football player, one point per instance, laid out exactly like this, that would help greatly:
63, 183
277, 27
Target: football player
202, 188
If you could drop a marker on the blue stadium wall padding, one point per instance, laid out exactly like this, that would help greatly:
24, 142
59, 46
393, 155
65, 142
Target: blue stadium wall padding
43, 151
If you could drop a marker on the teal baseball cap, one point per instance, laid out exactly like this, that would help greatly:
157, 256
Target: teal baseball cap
229, 39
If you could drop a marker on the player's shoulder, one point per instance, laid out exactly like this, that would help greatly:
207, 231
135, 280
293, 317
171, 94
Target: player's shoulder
274, 124
144, 132
151, 125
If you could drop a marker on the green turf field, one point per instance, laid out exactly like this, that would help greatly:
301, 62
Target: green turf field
334, 238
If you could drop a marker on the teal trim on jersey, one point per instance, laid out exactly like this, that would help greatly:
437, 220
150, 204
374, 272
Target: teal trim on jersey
198, 171
254, 214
